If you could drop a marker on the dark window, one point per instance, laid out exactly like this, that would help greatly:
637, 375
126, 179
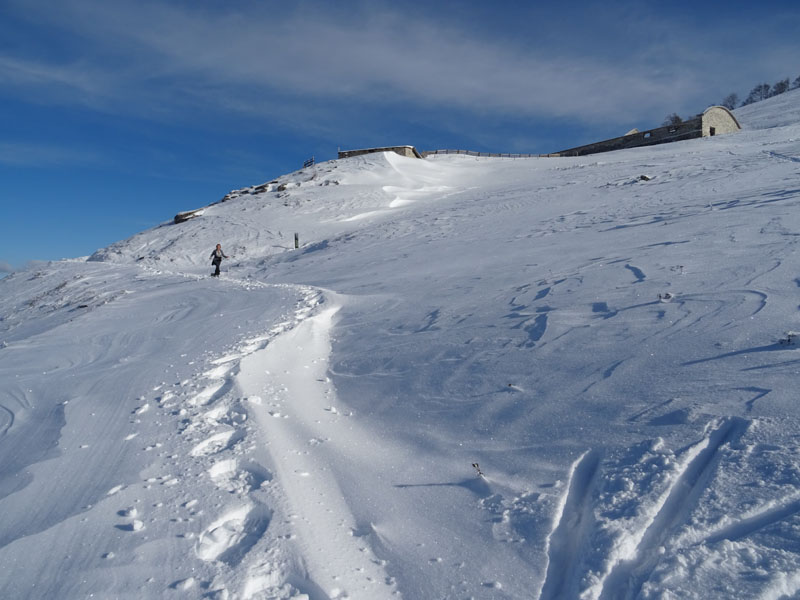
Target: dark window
712, 131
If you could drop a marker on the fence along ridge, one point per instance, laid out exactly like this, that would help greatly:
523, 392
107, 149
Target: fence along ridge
483, 154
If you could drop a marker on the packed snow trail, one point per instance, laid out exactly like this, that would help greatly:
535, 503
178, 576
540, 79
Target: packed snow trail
296, 409
356, 540
131, 467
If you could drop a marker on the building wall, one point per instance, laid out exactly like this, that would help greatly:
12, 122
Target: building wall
406, 151
661, 135
721, 119
718, 117
409, 151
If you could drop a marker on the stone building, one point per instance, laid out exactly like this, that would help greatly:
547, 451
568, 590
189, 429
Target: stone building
716, 120
409, 151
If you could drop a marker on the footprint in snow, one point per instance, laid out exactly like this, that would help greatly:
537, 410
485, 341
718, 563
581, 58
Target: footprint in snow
217, 443
239, 477
207, 395
184, 584
135, 525
231, 536
218, 372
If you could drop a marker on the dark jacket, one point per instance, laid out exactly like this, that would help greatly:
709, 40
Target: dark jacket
217, 256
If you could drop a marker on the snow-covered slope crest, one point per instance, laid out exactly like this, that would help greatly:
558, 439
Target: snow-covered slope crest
329, 200
779, 111
318, 203
486, 378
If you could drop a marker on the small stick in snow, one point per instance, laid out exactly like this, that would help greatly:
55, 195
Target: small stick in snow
478, 469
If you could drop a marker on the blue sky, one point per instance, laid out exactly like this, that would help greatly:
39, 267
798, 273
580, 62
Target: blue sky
115, 115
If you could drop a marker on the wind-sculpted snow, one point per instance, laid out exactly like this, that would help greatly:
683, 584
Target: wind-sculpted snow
484, 378
104, 412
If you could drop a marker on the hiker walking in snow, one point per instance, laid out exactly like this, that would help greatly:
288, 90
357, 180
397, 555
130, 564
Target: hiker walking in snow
216, 259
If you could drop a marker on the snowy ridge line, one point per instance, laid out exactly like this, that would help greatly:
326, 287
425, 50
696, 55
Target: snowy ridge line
223, 443
573, 522
638, 555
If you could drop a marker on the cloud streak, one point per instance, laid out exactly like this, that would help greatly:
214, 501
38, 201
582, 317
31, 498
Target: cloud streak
160, 59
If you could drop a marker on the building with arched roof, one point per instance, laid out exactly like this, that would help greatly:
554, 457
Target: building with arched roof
715, 120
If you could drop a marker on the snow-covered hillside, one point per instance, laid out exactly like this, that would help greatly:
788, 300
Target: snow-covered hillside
614, 353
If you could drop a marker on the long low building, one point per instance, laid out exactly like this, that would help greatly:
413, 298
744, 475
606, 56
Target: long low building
715, 120
409, 151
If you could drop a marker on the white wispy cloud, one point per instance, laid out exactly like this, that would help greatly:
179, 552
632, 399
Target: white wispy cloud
20, 71
161, 58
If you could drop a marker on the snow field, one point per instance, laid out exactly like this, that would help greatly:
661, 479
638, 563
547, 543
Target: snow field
93, 474
614, 352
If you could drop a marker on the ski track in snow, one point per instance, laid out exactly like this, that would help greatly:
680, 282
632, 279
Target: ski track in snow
570, 537
629, 572
751, 523
580, 565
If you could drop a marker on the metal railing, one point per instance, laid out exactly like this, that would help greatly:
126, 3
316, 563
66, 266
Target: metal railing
482, 154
